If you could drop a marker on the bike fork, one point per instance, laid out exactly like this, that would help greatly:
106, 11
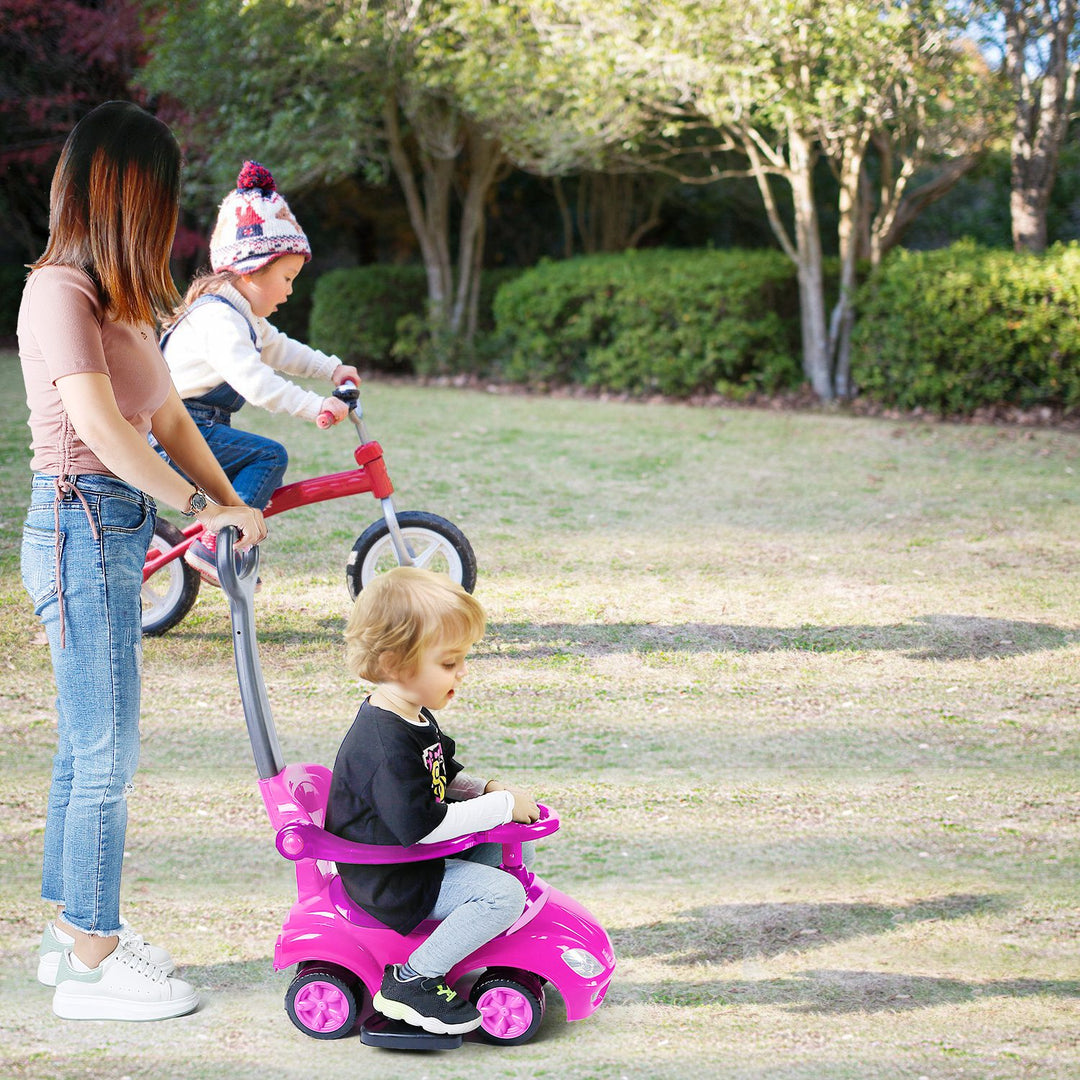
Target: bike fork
405, 554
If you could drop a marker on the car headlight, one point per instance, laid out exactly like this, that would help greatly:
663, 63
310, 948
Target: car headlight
583, 963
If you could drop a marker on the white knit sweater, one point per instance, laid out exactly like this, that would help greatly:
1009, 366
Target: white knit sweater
212, 345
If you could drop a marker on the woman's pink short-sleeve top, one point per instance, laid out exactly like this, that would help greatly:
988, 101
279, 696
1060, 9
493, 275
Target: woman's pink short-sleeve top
62, 331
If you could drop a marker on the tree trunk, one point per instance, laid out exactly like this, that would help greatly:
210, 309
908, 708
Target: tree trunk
898, 209
805, 249
1042, 103
1028, 203
427, 212
427, 182
815, 337
852, 157
611, 210
472, 313
437, 177
485, 158
565, 216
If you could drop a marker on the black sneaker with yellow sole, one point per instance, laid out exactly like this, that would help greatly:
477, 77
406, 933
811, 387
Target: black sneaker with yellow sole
426, 1003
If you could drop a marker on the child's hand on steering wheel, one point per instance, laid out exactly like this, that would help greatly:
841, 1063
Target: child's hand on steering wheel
525, 809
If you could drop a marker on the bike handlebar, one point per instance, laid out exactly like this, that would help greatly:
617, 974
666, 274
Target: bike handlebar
348, 392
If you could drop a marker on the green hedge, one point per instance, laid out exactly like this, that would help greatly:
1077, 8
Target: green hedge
375, 315
355, 311
673, 322
294, 317
963, 328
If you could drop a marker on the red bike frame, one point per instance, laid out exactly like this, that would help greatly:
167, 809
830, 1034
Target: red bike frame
369, 475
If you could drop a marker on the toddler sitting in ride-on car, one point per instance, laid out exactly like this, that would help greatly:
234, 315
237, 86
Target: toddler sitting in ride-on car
396, 781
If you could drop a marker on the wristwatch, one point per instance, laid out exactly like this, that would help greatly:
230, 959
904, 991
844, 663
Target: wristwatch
196, 504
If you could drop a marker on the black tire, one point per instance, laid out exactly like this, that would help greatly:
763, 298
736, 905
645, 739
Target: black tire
438, 544
167, 596
323, 1001
511, 1005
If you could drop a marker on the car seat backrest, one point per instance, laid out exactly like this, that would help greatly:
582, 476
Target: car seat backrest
309, 786
298, 793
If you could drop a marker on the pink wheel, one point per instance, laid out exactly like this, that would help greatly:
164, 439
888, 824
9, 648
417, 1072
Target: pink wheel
321, 1003
510, 1011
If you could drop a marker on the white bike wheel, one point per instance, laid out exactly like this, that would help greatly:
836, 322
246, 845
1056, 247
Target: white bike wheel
167, 596
436, 544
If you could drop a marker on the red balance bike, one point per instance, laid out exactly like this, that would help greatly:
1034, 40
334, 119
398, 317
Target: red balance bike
405, 538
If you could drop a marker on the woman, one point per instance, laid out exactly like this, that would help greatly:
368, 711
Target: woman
96, 385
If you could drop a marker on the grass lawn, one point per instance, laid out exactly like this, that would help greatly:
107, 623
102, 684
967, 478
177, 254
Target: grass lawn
803, 688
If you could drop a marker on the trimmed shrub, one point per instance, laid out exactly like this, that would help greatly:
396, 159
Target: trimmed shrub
376, 315
655, 321
491, 281
963, 328
294, 318
355, 311
431, 350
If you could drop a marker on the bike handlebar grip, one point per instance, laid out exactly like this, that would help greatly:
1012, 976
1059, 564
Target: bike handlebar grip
325, 419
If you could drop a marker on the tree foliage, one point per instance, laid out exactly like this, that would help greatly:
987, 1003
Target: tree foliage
60, 60
442, 95
784, 82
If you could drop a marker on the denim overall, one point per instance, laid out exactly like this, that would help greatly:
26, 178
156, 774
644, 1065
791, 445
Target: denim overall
254, 465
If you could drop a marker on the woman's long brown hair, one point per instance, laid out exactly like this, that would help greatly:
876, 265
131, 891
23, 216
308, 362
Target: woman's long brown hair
113, 208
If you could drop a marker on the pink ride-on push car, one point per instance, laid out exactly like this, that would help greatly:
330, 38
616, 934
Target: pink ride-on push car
340, 951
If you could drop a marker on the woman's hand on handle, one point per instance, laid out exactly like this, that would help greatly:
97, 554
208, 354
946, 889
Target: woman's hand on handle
247, 519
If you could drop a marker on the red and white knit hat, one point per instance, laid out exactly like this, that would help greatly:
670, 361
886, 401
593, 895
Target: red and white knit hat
255, 225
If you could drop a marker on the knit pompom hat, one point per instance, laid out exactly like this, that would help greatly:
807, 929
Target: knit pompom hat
255, 225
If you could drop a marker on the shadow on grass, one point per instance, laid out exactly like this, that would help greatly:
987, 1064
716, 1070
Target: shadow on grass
840, 991
752, 933
729, 933
926, 637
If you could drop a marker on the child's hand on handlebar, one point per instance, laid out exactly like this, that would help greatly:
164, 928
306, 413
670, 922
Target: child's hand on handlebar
332, 412
345, 373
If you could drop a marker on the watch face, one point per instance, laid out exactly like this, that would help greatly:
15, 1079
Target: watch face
198, 502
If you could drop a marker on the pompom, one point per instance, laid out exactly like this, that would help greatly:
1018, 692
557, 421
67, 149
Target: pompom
254, 175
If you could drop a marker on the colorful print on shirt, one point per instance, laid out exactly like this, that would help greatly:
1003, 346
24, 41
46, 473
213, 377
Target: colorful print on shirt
435, 764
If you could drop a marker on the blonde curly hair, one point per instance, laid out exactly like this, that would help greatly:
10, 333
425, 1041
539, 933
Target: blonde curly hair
401, 614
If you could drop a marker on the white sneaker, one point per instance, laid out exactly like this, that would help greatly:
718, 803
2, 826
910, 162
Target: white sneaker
54, 942
124, 986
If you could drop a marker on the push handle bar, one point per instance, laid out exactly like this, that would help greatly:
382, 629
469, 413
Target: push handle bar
238, 583
236, 571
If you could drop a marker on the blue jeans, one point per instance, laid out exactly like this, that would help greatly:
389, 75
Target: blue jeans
255, 465
476, 902
98, 676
